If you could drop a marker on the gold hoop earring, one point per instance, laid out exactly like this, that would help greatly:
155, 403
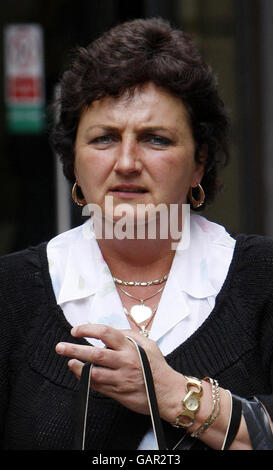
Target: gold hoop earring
79, 202
197, 203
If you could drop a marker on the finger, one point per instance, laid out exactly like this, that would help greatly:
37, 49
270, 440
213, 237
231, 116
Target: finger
112, 384
99, 375
103, 376
76, 367
139, 338
111, 337
130, 393
101, 356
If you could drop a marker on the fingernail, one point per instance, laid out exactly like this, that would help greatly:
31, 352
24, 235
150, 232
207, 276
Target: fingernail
60, 348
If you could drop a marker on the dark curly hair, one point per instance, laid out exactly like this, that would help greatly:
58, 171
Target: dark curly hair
125, 58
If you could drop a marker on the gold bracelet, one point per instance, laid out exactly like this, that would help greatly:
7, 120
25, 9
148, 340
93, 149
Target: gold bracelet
215, 393
190, 403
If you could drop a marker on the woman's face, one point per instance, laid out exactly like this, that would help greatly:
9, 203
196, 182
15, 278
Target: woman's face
138, 149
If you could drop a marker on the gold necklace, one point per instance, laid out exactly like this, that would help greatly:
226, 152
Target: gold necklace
141, 283
141, 312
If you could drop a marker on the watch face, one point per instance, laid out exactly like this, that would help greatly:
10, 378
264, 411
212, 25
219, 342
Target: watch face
192, 403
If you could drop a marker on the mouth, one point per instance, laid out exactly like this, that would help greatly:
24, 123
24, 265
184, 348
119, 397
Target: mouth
128, 190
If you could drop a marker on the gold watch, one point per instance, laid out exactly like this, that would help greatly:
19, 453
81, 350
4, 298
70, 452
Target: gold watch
190, 403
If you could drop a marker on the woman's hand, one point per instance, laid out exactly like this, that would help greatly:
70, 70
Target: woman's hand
118, 372
118, 375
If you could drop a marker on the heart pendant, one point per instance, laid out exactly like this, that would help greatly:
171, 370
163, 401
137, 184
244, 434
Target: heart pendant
140, 313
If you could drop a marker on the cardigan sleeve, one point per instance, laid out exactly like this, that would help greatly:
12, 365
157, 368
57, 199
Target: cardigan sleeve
5, 353
4, 371
266, 344
15, 295
258, 286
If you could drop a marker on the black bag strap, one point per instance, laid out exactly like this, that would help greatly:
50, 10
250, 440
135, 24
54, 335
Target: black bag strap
81, 407
256, 418
258, 425
152, 401
235, 420
83, 396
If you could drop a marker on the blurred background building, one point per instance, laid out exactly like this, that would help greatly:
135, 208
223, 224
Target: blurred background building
235, 37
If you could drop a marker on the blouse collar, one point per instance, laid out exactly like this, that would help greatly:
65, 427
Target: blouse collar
193, 269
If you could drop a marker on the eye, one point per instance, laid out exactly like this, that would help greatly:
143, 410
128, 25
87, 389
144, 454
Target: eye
104, 140
157, 140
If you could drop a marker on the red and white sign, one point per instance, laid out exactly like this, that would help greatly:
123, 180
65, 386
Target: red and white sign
24, 64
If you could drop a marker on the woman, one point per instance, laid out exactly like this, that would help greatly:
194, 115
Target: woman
141, 129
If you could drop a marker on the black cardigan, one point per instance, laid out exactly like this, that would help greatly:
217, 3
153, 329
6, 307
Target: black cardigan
37, 390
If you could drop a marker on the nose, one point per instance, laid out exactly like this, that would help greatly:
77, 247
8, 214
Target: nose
128, 159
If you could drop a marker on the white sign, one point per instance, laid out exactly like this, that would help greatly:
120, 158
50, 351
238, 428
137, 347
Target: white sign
24, 75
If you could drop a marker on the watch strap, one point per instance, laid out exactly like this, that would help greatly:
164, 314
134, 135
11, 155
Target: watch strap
187, 412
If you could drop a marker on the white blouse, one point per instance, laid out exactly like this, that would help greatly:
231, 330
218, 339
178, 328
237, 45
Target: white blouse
86, 292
